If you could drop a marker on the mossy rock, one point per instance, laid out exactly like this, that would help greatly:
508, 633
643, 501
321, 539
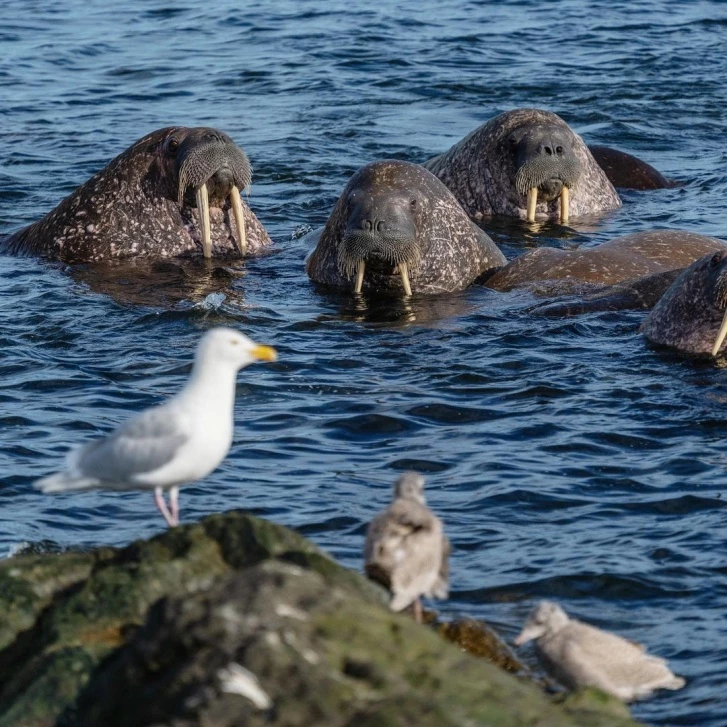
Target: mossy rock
140, 635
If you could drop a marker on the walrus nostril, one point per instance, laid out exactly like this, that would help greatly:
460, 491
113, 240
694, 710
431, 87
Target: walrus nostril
224, 177
559, 150
367, 225
380, 226
548, 151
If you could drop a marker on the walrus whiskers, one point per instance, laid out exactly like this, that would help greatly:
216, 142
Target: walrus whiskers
532, 203
203, 205
359, 276
720, 336
564, 205
239, 219
404, 272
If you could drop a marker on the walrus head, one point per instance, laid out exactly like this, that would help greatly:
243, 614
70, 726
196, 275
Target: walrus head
380, 234
546, 165
691, 316
208, 168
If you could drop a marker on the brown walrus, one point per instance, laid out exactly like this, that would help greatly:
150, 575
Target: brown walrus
627, 171
396, 227
175, 192
623, 259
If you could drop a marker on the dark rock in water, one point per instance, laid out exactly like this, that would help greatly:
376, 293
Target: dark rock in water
237, 621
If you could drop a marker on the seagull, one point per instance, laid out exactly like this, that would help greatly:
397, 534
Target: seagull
580, 655
406, 549
175, 443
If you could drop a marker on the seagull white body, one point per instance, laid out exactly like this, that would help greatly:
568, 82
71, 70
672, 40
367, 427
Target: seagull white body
406, 549
580, 655
175, 443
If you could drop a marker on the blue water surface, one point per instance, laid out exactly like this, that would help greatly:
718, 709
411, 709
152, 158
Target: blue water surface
567, 458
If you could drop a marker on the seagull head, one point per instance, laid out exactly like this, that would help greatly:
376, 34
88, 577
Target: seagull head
546, 618
410, 486
228, 346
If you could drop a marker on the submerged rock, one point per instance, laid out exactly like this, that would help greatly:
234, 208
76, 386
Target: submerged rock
237, 621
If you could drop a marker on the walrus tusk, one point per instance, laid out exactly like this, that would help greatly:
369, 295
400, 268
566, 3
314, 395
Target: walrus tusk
203, 205
239, 219
564, 205
404, 272
721, 335
359, 276
532, 202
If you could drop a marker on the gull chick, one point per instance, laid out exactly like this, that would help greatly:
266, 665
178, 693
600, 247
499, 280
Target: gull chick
406, 549
579, 655
175, 443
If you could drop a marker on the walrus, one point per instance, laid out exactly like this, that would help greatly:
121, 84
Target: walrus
175, 192
525, 163
396, 227
691, 316
626, 171
625, 258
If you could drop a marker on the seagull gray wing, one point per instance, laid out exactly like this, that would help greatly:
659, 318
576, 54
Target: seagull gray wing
142, 445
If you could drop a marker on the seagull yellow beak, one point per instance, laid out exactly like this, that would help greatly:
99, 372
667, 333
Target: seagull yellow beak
264, 353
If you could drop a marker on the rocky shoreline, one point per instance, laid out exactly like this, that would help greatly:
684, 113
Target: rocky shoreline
236, 620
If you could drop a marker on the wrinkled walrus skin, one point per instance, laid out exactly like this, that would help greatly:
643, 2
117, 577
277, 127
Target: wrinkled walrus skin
393, 213
142, 204
481, 170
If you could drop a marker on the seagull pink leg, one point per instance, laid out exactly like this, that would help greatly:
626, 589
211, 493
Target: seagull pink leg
174, 503
162, 506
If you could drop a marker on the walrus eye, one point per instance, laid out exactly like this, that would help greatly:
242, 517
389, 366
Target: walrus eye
512, 141
716, 259
413, 204
172, 145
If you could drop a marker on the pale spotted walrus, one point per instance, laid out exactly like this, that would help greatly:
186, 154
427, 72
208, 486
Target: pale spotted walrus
528, 164
176, 192
396, 227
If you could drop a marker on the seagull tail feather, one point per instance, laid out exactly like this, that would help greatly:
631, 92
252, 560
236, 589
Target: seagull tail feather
64, 482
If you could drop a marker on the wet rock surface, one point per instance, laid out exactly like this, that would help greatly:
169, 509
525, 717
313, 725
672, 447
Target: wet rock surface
239, 621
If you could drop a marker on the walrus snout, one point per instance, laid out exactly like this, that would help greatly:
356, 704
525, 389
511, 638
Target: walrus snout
212, 168
381, 231
546, 166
